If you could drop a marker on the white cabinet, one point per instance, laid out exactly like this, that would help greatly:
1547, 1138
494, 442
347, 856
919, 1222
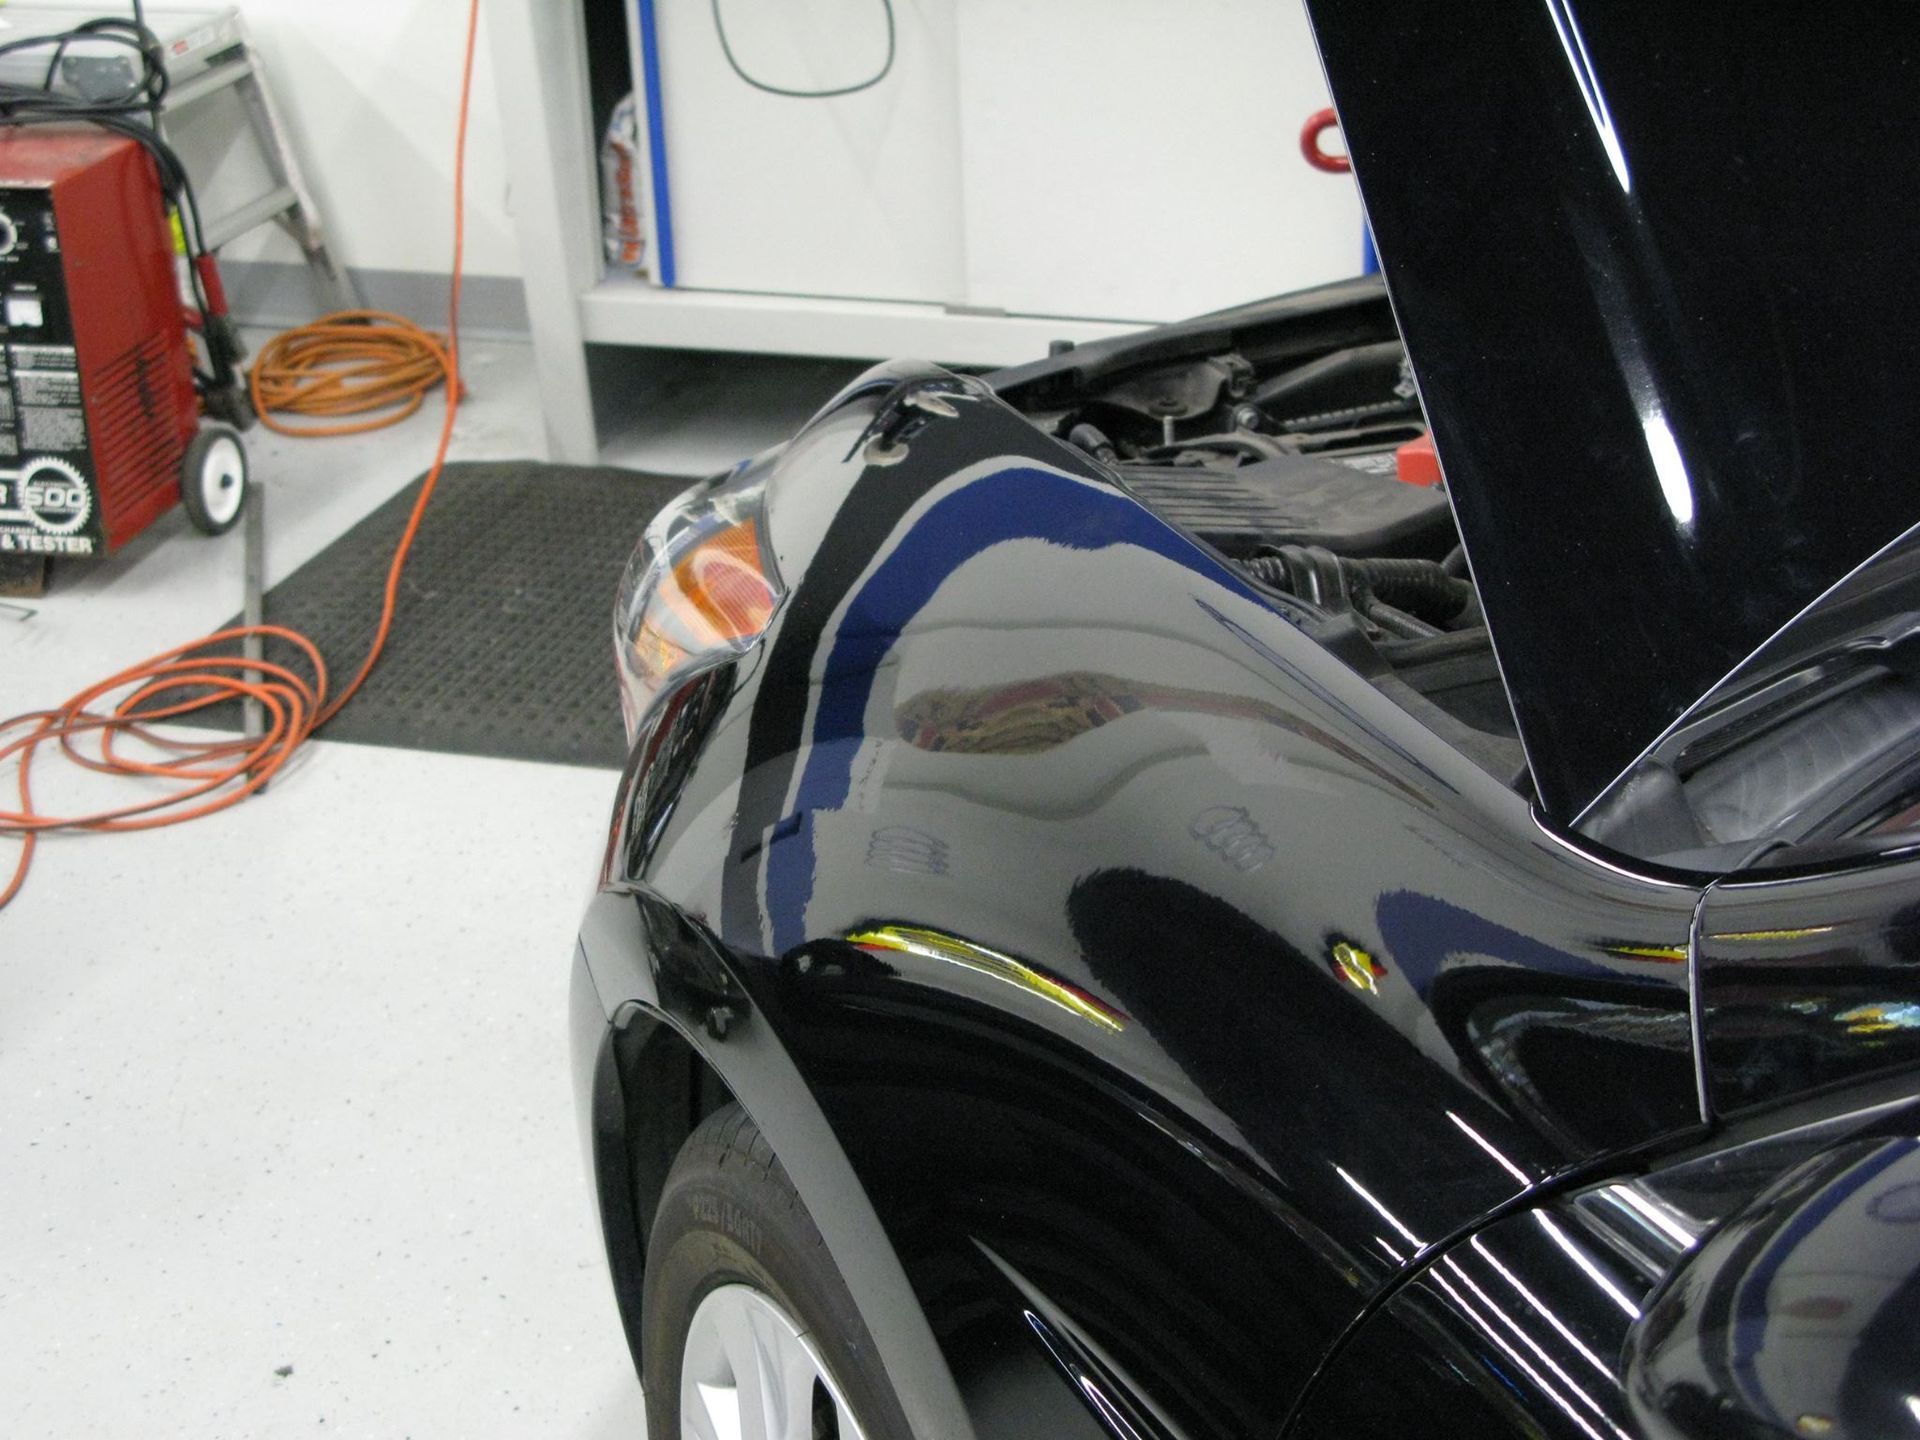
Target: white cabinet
1140, 159
857, 196
1026, 171
1132, 160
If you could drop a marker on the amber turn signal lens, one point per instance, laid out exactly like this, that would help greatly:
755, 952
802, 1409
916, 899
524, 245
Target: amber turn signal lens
716, 596
702, 586
722, 580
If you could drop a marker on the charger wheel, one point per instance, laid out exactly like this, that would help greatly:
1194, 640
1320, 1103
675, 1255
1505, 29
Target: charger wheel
213, 479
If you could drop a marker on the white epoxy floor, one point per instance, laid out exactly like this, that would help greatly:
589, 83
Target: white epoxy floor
287, 1143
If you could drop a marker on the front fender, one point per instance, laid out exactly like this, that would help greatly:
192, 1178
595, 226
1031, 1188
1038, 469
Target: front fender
658, 965
1099, 928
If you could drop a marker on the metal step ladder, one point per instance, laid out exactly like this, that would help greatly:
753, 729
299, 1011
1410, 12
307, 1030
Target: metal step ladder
218, 115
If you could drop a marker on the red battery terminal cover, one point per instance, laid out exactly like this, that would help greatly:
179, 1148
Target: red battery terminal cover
1416, 463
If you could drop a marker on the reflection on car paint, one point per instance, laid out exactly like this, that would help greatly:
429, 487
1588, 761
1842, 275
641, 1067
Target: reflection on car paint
1786, 1005
1320, 692
1426, 933
1355, 966
1008, 503
1515, 1330
1029, 716
1821, 1270
952, 950
1191, 864
906, 850
1233, 834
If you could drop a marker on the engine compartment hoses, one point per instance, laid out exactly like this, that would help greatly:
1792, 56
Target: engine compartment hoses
1093, 440
1420, 587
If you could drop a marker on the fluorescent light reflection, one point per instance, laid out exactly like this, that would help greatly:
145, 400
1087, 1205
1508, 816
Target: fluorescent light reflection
1487, 1145
1546, 1387
952, 950
1551, 1318
1664, 451
1574, 45
1579, 1257
1655, 1215
1535, 1346
1382, 1211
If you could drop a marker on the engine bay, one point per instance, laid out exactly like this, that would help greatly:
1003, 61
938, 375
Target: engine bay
1302, 464
1292, 446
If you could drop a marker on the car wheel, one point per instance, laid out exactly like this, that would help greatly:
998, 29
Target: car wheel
749, 1330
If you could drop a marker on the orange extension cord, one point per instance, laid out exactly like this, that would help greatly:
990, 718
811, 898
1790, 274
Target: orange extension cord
215, 775
357, 363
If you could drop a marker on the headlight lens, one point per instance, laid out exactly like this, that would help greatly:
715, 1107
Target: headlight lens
700, 589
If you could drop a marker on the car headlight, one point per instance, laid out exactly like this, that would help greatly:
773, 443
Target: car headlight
700, 589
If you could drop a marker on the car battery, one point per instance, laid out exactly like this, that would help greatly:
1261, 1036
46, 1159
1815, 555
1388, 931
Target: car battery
97, 397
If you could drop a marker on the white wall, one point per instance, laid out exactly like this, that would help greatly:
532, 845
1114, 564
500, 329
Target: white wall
369, 89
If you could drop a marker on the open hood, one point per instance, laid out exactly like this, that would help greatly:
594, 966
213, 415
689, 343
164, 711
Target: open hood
1654, 267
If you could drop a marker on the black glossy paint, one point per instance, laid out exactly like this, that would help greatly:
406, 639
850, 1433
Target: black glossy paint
1172, 1037
1245, 990
1767, 1272
1653, 273
1516, 1331
1809, 980
1801, 1315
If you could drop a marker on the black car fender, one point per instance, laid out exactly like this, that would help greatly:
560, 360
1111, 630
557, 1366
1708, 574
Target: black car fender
653, 1030
1122, 979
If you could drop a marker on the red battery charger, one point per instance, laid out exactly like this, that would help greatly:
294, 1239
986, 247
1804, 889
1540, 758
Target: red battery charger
101, 430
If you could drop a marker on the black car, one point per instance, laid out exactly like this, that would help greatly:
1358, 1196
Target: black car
1130, 916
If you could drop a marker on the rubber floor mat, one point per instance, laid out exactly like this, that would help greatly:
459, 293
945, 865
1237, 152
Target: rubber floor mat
502, 639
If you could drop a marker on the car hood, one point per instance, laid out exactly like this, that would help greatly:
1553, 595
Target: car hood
1651, 262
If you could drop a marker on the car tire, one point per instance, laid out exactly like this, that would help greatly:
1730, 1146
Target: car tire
732, 1245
